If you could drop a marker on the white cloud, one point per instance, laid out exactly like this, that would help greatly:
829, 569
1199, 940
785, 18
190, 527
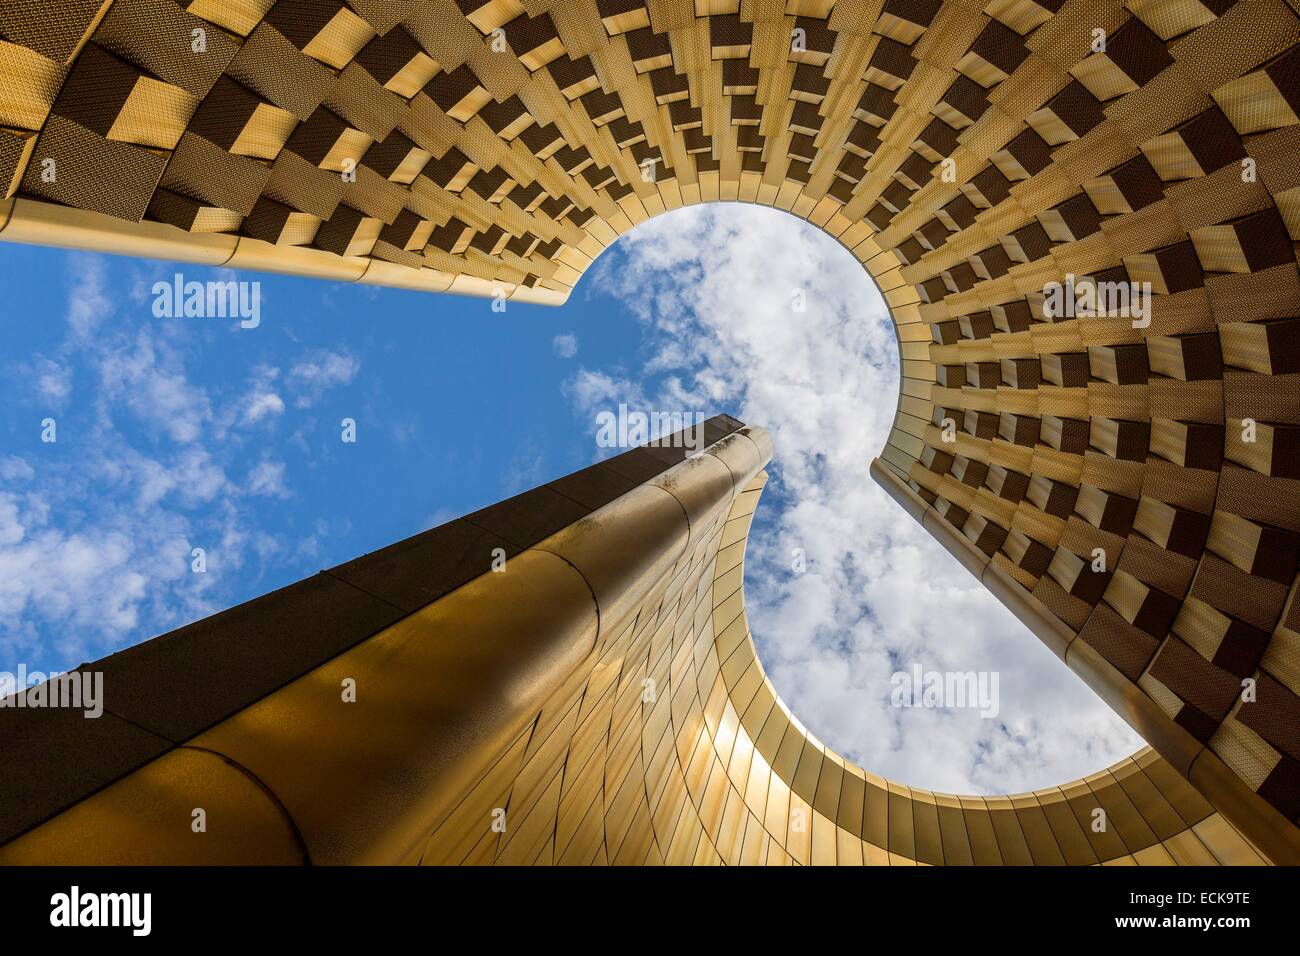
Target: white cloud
267, 478
15, 469
260, 405
88, 303
84, 580
321, 371
716, 288
149, 377
53, 381
565, 346
11, 527
593, 392
199, 477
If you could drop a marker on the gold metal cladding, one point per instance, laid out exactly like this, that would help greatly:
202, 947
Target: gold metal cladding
433, 693
703, 486
383, 273
623, 549
360, 781
762, 441
909, 500
1224, 790
265, 257
1046, 626
33, 222
539, 296
1173, 743
148, 818
742, 453
1255, 818
49, 225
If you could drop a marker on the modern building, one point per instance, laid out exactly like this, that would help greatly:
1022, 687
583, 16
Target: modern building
568, 676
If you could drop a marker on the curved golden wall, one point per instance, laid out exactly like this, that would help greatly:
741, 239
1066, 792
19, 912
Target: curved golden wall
714, 769
969, 154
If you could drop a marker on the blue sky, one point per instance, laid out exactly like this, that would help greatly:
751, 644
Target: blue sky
456, 407
176, 433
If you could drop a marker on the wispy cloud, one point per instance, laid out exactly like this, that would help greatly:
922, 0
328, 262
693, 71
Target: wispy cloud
565, 346
593, 391
319, 372
267, 478
527, 469
15, 469
53, 382
262, 400
148, 376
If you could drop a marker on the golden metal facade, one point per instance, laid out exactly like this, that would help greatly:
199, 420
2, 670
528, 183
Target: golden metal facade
968, 154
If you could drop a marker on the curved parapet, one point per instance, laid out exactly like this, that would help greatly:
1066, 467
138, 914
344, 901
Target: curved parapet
1082, 215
